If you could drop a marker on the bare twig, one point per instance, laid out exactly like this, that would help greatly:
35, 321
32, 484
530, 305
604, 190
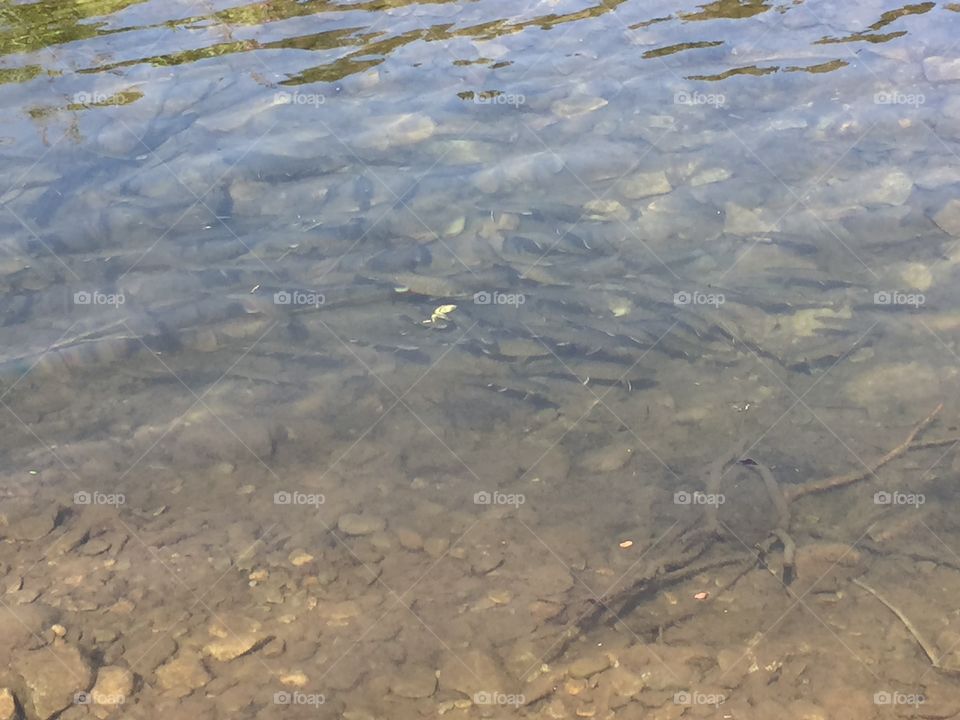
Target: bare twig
928, 649
798, 491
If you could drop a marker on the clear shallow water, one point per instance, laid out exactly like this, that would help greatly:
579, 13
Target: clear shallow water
228, 237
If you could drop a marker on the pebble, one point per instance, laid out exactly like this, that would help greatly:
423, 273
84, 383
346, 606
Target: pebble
97, 546
917, 276
607, 459
409, 539
549, 579
396, 131
606, 210
577, 105
342, 611
646, 184
158, 651
435, 547
539, 688
937, 177
294, 679
455, 227
182, 675
542, 610
948, 218
520, 170
233, 646
883, 187
414, 681
500, 596
354, 524
472, 671
114, 685
8, 705
739, 220
624, 682
483, 562
274, 648
300, 557
709, 176
941, 69
52, 675
589, 665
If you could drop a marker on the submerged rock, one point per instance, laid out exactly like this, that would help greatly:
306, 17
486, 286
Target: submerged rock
414, 681
234, 645
113, 687
709, 176
948, 218
28, 526
515, 171
354, 524
883, 187
8, 705
396, 131
743, 221
577, 105
646, 184
182, 675
917, 276
941, 69
472, 672
53, 675
605, 210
